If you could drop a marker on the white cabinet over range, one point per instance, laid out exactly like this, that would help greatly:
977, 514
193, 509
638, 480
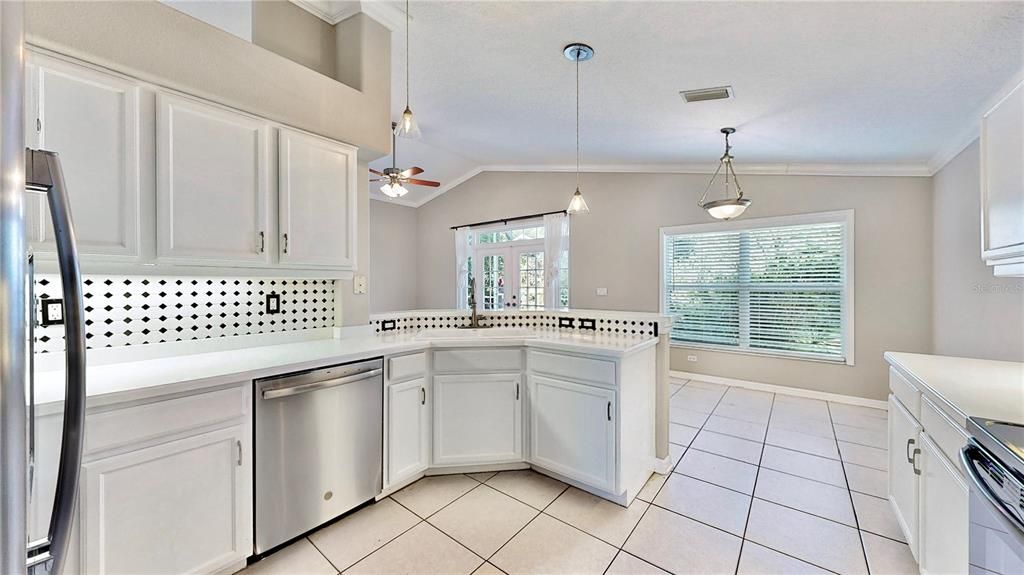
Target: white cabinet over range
166, 182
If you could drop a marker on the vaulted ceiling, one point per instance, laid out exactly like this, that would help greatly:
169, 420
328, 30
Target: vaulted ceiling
885, 87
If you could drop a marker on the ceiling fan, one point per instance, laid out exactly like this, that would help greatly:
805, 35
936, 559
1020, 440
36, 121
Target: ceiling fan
394, 178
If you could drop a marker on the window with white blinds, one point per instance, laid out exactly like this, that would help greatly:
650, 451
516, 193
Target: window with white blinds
770, 285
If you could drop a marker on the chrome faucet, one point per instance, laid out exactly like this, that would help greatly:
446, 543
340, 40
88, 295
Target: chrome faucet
474, 319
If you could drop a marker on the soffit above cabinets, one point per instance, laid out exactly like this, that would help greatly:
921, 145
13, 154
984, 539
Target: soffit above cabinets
390, 14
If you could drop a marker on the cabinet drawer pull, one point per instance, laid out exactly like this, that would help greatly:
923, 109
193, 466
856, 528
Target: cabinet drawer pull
238, 443
423, 396
609, 411
263, 242
914, 461
286, 243
910, 458
517, 391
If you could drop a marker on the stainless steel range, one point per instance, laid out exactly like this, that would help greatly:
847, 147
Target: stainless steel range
994, 460
318, 448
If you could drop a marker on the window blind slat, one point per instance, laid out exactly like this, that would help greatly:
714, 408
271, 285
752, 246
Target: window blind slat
772, 288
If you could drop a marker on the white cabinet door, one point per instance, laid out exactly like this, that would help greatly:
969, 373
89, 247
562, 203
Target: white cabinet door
572, 430
477, 419
943, 540
317, 201
408, 430
91, 119
904, 440
1002, 180
212, 185
178, 507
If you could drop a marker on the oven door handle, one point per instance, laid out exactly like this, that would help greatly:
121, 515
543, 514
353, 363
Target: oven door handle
291, 390
1012, 524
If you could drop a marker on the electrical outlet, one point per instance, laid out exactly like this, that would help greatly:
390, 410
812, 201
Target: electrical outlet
359, 285
53, 311
601, 291
273, 303
691, 358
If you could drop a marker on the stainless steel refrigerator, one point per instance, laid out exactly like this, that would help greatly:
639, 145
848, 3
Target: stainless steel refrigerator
23, 172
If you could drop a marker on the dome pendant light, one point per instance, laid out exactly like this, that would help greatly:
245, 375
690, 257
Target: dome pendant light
726, 208
407, 126
578, 53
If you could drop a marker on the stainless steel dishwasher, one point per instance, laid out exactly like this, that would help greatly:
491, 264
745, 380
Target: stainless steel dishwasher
318, 447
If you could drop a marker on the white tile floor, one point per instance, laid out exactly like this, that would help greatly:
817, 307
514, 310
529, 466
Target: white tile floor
764, 484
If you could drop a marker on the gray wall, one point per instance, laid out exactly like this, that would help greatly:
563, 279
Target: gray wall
159, 44
286, 29
393, 258
974, 314
617, 246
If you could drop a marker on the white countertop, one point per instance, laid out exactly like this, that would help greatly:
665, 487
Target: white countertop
968, 387
137, 380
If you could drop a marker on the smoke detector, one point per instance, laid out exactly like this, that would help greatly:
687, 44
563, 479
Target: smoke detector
706, 94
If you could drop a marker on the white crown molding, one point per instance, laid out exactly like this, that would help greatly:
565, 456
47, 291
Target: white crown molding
388, 14
844, 170
973, 129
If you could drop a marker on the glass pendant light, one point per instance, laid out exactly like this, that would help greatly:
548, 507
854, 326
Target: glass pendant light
726, 208
407, 126
578, 53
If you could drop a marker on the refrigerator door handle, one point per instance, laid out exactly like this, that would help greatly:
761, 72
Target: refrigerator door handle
44, 174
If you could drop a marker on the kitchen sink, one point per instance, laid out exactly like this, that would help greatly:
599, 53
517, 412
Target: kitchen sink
482, 333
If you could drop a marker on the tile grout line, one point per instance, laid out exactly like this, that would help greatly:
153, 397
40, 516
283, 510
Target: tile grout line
757, 474
539, 513
853, 507
667, 477
378, 548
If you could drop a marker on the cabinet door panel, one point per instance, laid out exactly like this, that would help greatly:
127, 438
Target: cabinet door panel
212, 198
179, 507
904, 438
1002, 177
91, 119
943, 546
476, 419
317, 201
407, 429
572, 430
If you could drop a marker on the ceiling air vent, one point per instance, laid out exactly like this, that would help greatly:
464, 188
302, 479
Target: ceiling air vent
705, 94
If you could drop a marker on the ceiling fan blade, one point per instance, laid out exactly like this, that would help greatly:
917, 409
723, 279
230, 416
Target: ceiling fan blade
416, 182
373, 171
378, 180
411, 171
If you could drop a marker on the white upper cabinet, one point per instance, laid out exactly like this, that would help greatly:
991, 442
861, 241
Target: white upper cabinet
91, 119
212, 185
317, 201
1002, 184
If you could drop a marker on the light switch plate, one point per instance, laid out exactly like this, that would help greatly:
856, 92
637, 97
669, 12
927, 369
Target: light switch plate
273, 303
601, 291
359, 285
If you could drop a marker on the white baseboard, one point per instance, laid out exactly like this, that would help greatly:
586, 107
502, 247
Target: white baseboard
663, 466
770, 387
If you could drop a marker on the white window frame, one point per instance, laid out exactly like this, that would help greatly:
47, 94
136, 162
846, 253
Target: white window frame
513, 248
844, 217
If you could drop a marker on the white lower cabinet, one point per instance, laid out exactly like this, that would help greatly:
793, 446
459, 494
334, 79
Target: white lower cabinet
179, 507
572, 430
904, 440
408, 430
944, 519
477, 419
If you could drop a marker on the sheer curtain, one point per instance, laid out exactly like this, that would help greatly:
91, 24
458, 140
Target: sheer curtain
463, 251
556, 245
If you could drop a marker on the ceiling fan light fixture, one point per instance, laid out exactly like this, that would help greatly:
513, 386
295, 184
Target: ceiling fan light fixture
577, 205
395, 190
726, 208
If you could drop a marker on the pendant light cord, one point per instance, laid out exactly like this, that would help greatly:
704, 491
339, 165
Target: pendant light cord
407, 54
577, 119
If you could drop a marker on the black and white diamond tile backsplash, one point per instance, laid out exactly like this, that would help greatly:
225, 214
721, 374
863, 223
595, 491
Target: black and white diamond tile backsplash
135, 310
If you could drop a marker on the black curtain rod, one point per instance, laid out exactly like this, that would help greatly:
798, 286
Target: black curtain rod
507, 220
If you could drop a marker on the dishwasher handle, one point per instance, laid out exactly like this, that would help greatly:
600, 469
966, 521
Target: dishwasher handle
319, 385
